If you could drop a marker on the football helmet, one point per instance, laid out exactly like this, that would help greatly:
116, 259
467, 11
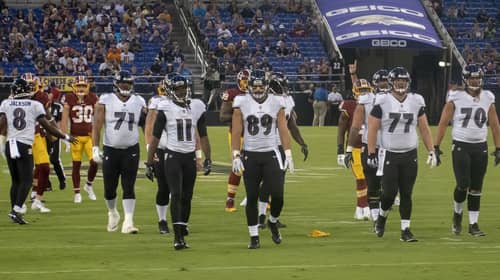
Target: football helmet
278, 84
472, 76
379, 80
242, 80
33, 81
81, 85
20, 88
399, 80
123, 83
257, 85
361, 87
177, 87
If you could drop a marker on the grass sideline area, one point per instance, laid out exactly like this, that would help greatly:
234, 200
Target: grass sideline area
71, 242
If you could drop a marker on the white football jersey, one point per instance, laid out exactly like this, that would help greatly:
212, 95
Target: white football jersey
471, 115
289, 105
153, 105
367, 100
121, 120
181, 124
399, 121
21, 117
259, 121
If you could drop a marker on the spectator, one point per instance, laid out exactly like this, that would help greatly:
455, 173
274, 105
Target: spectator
90, 56
490, 30
233, 7
81, 66
452, 12
266, 66
258, 51
141, 22
135, 46
54, 66
334, 100
298, 29
244, 50
30, 40
282, 50
438, 7
337, 66
320, 105
114, 54
223, 33
165, 16
477, 33
482, 16
247, 12
127, 57
80, 24
100, 53
106, 68
267, 29
452, 31
258, 17
462, 12
323, 70
266, 6
210, 30
220, 50
69, 68
240, 27
255, 30
156, 68
177, 56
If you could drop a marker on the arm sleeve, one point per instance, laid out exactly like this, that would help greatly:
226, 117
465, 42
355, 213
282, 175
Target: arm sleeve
202, 125
160, 124
421, 111
142, 118
376, 111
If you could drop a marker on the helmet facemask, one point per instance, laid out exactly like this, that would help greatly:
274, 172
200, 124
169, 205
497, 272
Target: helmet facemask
124, 88
400, 86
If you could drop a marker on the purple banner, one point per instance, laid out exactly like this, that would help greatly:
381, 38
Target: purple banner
381, 23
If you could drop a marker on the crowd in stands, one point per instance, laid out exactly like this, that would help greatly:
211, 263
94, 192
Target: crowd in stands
73, 37
473, 27
262, 35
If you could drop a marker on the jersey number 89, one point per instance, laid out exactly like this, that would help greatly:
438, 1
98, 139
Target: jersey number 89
266, 122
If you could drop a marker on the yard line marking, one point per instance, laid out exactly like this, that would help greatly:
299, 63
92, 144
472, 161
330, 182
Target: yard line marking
248, 267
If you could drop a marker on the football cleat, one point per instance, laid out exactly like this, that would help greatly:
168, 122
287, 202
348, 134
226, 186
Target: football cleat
280, 225
17, 218
113, 220
262, 221
254, 242
90, 192
244, 202
407, 236
24, 209
275, 232
366, 214
163, 227
184, 230
129, 228
38, 205
380, 226
475, 231
358, 214
77, 198
180, 244
230, 205
62, 185
456, 228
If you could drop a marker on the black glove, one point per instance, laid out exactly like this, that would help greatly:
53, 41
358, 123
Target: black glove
496, 154
340, 149
207, 166
438, 153
348, 159
372, 160
150, 171
305, 151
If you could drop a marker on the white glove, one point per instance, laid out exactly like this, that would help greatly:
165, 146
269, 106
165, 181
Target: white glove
2, 145
238, 167
96, 154
432, 159
341, 160
67, 145
288, 161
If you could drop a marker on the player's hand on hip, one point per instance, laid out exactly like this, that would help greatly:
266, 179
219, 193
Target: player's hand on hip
432, 159
341, 160
372, 160
207, 166
288, 161
150, 171
305, 151
496, 154
96, 154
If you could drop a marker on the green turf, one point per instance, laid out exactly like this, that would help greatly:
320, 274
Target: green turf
72, 242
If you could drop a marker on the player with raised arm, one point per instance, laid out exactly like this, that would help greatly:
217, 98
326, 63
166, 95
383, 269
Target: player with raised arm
471, 110
77, 114
121, 113
18, 117
226, 115
397, 115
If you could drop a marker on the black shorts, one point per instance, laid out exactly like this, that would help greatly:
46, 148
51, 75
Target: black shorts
470, 161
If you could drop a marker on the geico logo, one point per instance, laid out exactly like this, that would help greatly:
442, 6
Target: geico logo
366, 33
389, 43
366, 8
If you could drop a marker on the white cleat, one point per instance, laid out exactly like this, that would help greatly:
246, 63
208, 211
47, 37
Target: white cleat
396, 201
38, 205
129, 228
358, 214
24, 209
244, 202
90, 192
367, 214
113, 220
78, 198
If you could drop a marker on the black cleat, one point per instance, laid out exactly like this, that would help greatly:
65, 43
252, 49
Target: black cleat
380, 226
163, 227
62, 185
184, 230
456, 228
280, 225
407, 236
49, 187
262, 221
180, 244
254, 242
475, 231
17, 218
275, 232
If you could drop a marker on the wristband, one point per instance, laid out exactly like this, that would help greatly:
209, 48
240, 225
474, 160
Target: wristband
236, 153
349, 149
198, 154
288, 153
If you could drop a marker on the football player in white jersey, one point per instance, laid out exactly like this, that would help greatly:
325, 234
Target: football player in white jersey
179, 117
259, 116
163, 193
278, 85
121, 113
471, 110
397, 115
18, 117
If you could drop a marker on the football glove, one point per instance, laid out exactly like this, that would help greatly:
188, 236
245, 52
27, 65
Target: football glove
496, 154
237, 167
150, 171
288, 161
432, 159
348, 160
305, 151
2, 145
207, 166
341, 160
67, 145
372, 160
96, 154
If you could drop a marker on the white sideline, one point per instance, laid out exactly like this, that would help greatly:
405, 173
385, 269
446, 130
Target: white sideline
262, 267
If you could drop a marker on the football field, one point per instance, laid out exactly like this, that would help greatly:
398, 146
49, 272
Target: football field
71, 242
